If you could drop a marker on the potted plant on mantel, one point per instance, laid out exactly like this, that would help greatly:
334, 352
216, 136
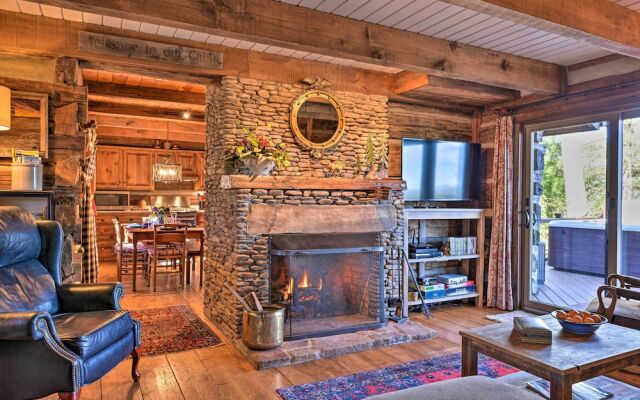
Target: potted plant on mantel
378, 164
259, 154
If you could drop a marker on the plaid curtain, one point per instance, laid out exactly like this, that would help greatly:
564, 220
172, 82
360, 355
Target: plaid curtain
499, 292
90, 263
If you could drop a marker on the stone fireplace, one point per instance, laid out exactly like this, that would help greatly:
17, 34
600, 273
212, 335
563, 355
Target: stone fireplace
259, 231
329, 284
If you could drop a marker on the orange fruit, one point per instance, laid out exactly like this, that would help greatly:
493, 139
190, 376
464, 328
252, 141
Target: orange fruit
589, 320
561, 315
572, 313
596, 318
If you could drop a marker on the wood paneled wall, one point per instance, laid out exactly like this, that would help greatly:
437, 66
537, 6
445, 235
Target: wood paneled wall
415, 121
67, 107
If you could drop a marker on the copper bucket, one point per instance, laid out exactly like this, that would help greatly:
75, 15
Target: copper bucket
263, 331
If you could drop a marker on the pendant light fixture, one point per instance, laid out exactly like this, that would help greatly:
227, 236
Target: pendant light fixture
167, 171
5, 108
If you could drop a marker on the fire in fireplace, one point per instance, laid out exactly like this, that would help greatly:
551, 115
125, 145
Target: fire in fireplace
329, 284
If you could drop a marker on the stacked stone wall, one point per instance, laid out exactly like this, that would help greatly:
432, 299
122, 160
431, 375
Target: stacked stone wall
240, 259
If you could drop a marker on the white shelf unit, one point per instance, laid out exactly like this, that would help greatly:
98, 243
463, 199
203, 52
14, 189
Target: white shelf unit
466, 215
442, 259
446, 298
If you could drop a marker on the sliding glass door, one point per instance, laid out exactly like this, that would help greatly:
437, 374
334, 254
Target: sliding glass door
629, 233
566, 211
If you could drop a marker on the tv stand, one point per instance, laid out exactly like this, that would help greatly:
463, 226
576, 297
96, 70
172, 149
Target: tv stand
466, 215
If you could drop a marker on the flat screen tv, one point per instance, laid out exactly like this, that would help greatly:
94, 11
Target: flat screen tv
437, 170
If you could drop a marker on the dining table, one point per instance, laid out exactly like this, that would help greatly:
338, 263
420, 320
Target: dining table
140, 234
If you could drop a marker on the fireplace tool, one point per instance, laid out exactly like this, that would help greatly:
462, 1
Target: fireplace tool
425, 306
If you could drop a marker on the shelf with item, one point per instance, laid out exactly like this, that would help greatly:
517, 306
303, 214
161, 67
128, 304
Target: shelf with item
432, 255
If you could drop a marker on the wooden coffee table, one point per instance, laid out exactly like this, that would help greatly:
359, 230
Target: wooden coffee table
569, 359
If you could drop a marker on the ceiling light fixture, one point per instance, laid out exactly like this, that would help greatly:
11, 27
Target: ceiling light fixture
5, 108
167, 171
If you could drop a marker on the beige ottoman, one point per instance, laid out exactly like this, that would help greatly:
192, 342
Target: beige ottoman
467, 388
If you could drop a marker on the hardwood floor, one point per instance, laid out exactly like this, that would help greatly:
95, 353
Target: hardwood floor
222, 373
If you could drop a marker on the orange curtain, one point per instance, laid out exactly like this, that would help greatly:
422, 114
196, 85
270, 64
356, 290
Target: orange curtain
499, 290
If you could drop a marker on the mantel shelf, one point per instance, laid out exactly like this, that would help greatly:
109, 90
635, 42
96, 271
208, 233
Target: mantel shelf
308, 182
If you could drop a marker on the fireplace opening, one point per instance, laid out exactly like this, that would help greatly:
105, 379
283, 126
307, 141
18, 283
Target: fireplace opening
329, 284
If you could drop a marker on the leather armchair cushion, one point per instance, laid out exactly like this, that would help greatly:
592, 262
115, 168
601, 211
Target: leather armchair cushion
90, 297
51, 240
27, 286
19, 236
88, 333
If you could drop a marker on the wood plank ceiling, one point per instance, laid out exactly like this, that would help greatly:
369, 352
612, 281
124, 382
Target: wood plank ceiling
138, 110
450, 22
428, 17
631, 4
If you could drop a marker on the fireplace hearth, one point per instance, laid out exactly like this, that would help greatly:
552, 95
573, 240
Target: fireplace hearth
329, 283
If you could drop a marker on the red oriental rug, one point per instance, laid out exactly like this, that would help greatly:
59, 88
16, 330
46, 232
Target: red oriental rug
390, 379
171, 329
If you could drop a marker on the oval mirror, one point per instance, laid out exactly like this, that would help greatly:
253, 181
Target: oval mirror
317, 120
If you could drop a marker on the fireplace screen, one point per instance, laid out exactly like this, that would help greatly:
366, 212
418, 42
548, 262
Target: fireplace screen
329, 284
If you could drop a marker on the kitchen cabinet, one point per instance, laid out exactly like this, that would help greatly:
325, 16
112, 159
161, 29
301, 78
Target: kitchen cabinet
201, 168
109, 167
189, 162
138, 169
130, 168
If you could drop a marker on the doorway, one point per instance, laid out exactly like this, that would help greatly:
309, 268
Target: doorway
569, 170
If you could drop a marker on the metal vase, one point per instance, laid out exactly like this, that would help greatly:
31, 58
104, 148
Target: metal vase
263, 331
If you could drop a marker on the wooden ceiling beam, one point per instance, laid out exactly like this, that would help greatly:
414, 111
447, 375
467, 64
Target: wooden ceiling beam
134, 110
142, 122
299, 28
109, 89
147, 103
463, 90
116, 132
27, 34
599, 22
450, 91
409, 80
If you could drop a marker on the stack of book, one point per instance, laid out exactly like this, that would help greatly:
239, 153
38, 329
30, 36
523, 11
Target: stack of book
462, 246
532, 330
451, 279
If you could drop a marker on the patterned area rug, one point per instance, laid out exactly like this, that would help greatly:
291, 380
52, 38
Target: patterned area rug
403, 376
171, 329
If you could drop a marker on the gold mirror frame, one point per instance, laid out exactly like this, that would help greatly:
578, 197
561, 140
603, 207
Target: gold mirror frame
293, 120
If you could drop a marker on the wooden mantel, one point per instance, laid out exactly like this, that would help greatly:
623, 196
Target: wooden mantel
306, 182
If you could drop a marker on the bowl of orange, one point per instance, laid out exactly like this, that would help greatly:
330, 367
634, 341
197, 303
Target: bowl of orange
579, 322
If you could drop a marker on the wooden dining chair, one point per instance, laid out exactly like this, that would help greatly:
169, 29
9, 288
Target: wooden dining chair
124, 254
194, 252
188, 217
169, 251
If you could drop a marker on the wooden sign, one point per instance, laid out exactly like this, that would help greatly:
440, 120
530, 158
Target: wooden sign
146, 50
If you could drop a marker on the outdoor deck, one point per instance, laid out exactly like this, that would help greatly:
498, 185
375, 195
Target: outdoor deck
567, 289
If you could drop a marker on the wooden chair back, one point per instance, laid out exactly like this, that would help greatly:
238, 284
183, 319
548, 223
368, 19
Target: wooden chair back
168, 234
619, 287
118, 228
190, 218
